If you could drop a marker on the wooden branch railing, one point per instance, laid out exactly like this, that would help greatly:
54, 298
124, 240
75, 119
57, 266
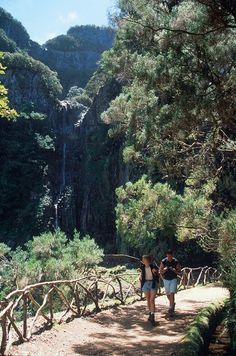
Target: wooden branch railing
41, 304
191, 277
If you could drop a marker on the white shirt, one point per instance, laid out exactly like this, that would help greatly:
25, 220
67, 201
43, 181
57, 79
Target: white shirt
148, 274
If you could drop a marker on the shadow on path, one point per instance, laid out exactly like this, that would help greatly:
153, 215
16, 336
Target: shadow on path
128, 330
123, 330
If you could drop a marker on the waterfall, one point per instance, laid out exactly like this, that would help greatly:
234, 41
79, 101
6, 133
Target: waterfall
81, 117
62, 185
63, 169
56, 216
56, 205
70, 118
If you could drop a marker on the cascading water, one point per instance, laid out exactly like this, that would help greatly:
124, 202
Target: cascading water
70, 118
56, 216
63, 180
62, 186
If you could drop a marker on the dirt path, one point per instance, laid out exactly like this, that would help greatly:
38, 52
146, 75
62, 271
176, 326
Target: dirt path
123, 330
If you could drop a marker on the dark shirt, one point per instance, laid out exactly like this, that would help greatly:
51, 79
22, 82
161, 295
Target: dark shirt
155, 275
169, 274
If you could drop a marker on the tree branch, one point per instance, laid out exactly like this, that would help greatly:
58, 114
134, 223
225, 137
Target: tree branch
179, 31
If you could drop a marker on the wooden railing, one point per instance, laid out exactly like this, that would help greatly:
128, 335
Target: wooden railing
41, 304
192, 277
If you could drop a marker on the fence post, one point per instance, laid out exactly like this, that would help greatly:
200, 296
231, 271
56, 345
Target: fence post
121, 290
5, 331
50, 302
25, 316
96, 295
77, 300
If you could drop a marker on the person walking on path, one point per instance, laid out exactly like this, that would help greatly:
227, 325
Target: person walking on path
149, 283
169, 269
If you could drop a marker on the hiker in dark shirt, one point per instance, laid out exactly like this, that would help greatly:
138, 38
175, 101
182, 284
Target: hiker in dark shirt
149, 278
169, 269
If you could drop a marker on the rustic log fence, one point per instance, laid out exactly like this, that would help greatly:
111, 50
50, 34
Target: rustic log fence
40, 305
192, 277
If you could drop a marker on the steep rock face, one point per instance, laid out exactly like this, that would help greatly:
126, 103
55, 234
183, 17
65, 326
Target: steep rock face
65, 169
79, 166
75, 56
32, 85
102, 170
89, 170
74, 67
99, 38
26, 91
14, 29
85, 165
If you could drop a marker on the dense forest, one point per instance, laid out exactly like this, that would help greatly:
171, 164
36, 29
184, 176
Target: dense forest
139, 154
176, 115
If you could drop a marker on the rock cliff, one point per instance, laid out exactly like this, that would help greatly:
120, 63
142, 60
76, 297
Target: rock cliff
75, 56
74, 64
74, 167
87, 169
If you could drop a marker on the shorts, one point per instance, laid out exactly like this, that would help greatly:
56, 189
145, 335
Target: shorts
147, 287
170, 286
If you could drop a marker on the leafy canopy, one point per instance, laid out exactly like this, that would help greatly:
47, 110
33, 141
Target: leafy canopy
5, 111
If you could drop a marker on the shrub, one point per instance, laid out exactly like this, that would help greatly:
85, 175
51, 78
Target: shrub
198, 334
63, 43
49, 256
92, 37
74, 91
49, 79
6, 44
84, 99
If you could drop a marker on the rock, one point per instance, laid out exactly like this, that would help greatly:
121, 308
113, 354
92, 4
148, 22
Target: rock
84, 166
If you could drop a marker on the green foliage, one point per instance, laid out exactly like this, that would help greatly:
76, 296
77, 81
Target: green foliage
14, 30
173, 112
143, 210
227, 235
6, 44
84, 99
82, 43
84, 253
27, 147
176, 114
4, 249
48, 78
147, 212
173, 106
96, 82
63, 43
5, 111
74, 91
227, 243
49, 256
201, 329
80, 95
92, 38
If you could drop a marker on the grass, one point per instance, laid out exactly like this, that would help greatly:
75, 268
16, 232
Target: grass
197, 336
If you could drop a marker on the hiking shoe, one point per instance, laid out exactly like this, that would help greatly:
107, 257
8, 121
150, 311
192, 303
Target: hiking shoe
171, 311
149, 317
152, 319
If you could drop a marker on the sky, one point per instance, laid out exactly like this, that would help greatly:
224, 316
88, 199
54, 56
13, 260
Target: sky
45, 19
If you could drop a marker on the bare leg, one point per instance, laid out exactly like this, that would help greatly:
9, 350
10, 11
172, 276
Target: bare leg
152, 301
147, 295
152, 308
172, 300
168, 297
